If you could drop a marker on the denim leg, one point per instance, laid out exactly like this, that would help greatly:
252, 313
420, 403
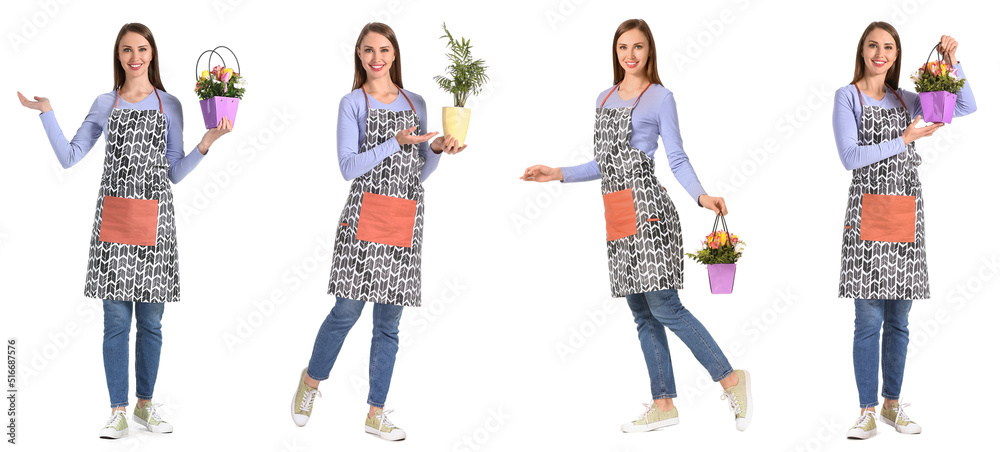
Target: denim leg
385, 344
331, 335
148, 341
895, 338
867, 323
117, 323
653, 341
667, 309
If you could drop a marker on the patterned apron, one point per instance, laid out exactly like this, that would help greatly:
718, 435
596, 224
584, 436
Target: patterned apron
377, 253
644, 231
133, 248
883, 255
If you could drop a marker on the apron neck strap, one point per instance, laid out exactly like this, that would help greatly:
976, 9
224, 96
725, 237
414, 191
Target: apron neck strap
889, 88
117, 96
636, 97
367, 106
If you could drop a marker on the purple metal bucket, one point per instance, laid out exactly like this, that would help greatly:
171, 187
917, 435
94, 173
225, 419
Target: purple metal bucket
215, 108
721, 278
938, 106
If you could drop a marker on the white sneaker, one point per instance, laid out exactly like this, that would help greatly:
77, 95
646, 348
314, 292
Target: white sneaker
864, 428
302, 402
379, 425
652, 419
895, 417
116, 427
149, 418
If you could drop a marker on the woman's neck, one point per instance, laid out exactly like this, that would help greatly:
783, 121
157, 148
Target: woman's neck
633, 83
380, 86
136, 87
873, 84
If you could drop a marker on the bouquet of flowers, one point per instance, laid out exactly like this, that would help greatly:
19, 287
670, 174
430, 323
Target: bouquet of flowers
938, 84
720, 251
219, 90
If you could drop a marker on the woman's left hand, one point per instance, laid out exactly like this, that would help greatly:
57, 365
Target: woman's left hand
714, 203
447, 144
225, 126
948, 47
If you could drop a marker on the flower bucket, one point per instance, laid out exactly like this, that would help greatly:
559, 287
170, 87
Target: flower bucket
215, 108
938, 106
721, 278
456, 122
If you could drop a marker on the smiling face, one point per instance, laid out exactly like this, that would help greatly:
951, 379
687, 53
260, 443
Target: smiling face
376, 54
632, 50
135, 55
879, 51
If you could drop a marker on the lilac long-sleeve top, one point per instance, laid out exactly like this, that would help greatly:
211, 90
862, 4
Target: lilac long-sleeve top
654, 117
96, 124
847, 110
352, 126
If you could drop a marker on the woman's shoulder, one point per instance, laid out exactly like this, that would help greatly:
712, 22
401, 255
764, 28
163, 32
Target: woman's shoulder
846, 96
170, 102
414, 97
658, 92
604, 94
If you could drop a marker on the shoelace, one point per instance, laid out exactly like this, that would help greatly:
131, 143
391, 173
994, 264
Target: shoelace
863, 420
900, 415
114, 419
734, 403
384, 421
650, 407
154, 417
307, 399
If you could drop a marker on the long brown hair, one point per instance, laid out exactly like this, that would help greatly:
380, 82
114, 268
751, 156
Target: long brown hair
395, 72
154, 66
632, 24
892, 77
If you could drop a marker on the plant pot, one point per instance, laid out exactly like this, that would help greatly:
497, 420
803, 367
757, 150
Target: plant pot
456, 122
938, 106
215, 108
721, 278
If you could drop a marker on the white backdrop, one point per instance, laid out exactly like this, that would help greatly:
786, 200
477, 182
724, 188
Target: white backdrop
519, 343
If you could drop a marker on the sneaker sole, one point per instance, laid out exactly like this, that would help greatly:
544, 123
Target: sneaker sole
893, 424
749, 416
863, 435
146, 424
378, 433
121, 434
630, 428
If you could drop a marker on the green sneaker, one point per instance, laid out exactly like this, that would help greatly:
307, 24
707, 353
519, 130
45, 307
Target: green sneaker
740, 400
302, 403
380, 426
117, 427
652, 419
147, 417
895, 417
864, 428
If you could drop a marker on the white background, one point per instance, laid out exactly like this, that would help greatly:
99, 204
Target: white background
514, 273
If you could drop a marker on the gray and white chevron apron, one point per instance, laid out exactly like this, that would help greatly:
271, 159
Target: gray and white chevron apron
377, 253
883, 254
644, 231
133, 247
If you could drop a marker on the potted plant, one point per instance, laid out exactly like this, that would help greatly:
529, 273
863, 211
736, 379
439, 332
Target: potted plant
938, 85
720, 251
219, 89
465, 76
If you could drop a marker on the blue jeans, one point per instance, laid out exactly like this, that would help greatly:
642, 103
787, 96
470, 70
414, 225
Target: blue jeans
892, 317
148, 340
652, 312
385, 344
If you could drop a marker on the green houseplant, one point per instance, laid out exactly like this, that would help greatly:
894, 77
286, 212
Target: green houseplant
465, 76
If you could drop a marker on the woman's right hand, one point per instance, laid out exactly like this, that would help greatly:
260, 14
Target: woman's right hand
542, 173
403, 137
41, 103
913, 132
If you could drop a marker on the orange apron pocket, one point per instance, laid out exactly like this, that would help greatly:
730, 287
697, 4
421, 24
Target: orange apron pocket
387, 220
129, 221
619, 214
888, 218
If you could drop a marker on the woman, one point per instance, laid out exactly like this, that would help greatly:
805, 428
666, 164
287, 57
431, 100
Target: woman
644, 235
133, 248
377, 254
883, 263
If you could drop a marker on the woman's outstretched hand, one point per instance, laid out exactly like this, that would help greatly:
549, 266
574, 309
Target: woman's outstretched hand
542, 173
447, 144
912, 132
225, 126
40, 103
403, 137
714, 203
